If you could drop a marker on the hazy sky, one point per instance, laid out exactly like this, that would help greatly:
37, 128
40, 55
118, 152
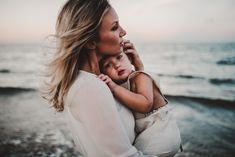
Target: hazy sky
144, 20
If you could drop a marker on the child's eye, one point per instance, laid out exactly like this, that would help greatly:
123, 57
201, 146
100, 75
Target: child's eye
109, 65
119, 57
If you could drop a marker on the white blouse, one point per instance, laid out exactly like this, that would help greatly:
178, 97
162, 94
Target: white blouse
100, 126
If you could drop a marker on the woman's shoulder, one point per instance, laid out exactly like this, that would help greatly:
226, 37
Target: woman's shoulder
87, 83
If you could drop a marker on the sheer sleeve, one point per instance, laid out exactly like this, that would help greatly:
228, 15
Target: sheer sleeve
101, 132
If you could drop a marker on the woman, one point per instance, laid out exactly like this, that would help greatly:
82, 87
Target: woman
86, 31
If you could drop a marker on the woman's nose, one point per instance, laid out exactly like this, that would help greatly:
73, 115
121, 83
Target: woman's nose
122, 32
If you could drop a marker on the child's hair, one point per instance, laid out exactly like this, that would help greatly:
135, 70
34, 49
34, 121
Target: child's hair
101, 64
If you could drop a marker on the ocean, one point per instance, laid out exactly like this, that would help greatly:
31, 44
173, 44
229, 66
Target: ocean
197, 78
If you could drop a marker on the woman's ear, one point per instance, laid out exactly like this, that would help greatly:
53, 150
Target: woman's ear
91, 45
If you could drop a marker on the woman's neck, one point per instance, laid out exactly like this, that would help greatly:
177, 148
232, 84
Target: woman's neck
90, 63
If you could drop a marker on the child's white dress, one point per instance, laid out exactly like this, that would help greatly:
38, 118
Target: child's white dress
158, 133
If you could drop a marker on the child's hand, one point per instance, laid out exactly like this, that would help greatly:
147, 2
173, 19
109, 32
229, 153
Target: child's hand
112, 85
131, 52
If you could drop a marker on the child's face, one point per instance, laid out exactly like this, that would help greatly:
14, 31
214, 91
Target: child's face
117, 67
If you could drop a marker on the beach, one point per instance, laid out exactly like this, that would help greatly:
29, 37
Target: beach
203, 102
29, 127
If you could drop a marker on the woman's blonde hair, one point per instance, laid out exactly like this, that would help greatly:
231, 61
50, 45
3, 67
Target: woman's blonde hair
78, 23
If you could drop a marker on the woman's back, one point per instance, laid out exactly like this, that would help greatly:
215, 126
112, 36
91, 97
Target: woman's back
90, 107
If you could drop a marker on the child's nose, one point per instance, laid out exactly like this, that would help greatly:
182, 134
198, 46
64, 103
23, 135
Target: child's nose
117, 65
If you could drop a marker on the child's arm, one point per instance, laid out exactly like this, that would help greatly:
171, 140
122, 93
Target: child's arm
141, 99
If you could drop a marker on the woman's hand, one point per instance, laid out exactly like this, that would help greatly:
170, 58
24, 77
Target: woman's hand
112, 85
132, 54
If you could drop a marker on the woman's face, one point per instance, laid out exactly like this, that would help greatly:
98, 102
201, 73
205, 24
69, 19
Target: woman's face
110, 34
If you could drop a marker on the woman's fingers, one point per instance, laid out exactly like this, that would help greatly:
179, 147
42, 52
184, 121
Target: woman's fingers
128, 45
132, 54
135, 59
130, 51
126, 41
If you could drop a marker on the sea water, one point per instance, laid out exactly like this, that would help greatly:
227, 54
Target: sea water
198, 79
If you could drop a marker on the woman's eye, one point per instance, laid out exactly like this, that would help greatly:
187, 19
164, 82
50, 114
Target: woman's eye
114, 28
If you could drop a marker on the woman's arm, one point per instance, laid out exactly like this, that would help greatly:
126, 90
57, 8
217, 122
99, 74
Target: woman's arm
103, 131
140, 98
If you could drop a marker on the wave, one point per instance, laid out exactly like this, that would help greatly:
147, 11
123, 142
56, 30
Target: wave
14, 90
205, 101
216, 81
5, 71
227, 61
189, 76
222, 81
182, 76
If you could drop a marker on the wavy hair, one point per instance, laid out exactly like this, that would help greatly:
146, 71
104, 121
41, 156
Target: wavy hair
78, 22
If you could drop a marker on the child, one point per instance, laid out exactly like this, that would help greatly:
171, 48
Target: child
157, 130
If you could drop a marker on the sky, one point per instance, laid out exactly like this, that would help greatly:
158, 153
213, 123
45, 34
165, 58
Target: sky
144, 20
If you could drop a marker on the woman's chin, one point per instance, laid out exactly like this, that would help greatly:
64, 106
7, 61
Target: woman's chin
118, 51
